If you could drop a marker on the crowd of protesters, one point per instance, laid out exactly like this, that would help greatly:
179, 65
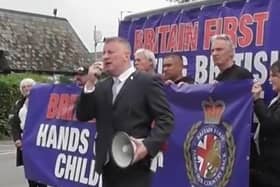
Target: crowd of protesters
118, 76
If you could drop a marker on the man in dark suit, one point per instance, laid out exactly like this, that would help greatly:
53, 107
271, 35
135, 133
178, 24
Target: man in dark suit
129, 102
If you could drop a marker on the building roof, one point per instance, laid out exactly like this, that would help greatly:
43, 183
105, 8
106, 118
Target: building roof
34, 42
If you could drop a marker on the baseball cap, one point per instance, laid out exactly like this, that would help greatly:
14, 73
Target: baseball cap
82, 70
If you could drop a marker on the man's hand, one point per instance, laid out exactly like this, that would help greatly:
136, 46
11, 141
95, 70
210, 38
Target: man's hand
99, 65
180, 84
141, 151
93, 73
257, 90
169, 82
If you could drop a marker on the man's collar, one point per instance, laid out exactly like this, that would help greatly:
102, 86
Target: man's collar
122, 77
229, 66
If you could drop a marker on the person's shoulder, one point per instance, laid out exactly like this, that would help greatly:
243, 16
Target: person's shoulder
104, 81
245, 72
17, 105
144, 76
20, 101
188, 79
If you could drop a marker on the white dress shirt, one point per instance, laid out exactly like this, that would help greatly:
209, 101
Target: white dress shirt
120, 80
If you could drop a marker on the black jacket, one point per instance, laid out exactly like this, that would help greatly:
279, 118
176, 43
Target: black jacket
234, 73
14, 123
269, 141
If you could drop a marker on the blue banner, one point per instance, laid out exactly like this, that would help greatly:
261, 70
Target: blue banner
253, 26
209, 145
58, 149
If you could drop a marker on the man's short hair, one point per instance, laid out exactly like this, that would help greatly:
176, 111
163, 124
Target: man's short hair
177, 57
119, 40
226, 38
149, 55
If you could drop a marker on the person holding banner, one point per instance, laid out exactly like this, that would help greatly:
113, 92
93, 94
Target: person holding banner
17, 122
145, 60
267, 170
128, 102
173, 70
223, 51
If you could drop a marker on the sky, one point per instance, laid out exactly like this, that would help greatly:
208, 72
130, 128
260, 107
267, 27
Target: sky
83, 15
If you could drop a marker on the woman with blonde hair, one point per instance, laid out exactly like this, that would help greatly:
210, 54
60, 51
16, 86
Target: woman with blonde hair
17, 122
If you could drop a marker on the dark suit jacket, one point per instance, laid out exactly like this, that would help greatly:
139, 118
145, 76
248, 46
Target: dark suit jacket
140, 101
14, 122
269, 141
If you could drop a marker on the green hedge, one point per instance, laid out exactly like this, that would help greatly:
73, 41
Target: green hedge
9, 93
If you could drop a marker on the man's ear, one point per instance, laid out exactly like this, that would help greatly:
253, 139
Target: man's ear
127, 55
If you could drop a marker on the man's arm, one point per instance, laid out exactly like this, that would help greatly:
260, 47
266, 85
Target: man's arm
270, 120
85, 109
14, 121
162, 115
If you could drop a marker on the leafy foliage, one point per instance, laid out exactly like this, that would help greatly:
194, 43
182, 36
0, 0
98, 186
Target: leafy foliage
9, 93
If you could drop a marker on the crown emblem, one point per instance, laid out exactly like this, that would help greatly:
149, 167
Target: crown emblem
213, 111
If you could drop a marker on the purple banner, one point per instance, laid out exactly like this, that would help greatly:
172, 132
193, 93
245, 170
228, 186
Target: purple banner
209, 146
58, 149
253, 26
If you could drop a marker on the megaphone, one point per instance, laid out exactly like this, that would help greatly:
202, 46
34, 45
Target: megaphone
123, 149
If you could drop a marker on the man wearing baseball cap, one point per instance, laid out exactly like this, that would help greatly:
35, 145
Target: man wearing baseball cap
81, 76
81, 73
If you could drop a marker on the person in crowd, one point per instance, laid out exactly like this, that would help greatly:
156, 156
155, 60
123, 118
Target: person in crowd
17, 122
145, 60
127, 101
173, 70
222, 52
267, 170
81, 76
81, 73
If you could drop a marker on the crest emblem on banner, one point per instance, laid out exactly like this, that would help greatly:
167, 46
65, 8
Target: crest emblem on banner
209, 148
